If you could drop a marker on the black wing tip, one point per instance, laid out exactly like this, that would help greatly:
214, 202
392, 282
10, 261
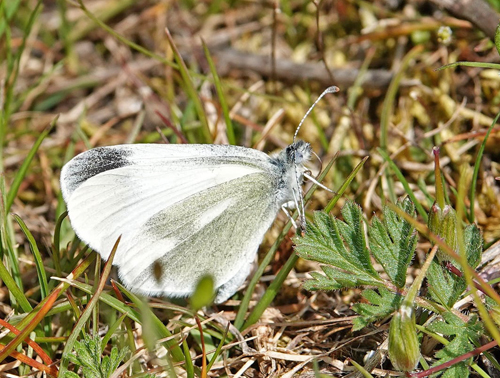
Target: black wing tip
91, 163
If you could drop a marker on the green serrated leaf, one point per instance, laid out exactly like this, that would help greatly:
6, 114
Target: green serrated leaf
114, 357
458, 370
90, 373
85, 358
393, 242
444, 286
105, 367
73, 359
321, 282
473, 245
354, 235
119, 358
460, 334
89, 357
473, 327
348, 279
359, 323
341, 246
457, 347
70, 374
382, 304
373, 297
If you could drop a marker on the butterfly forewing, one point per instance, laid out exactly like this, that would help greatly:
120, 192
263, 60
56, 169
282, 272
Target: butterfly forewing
178, 209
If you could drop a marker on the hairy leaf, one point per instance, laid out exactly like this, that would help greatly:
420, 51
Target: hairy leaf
341, 245
462, 335
473, 245
89, 357
444, 287
393, 242
381, 304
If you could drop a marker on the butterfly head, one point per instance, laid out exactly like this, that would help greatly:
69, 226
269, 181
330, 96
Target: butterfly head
298, 153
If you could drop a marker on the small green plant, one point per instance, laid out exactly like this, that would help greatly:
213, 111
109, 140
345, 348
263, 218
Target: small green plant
341, 246
90, 359
347, 261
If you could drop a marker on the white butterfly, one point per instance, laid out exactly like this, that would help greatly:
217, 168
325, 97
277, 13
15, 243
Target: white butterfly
183, 210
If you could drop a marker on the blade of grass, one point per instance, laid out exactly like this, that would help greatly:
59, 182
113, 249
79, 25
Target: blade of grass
190, 89
39, 313
219, 348
15, 64
87, 312
493, 66
390, 96
14, 289
56, 252
112, 330
132, 45
12, 271
105, 298
95, 309
404, 182
21, 173
188, 361
162, 330
477, 166
74, 306
10, 8
51, 370
356, 89
240, 316
345, 185
62, 287
109, 9
37, 348
220, 93
40, 269
4, 114
388, 108
276, 284
361, 369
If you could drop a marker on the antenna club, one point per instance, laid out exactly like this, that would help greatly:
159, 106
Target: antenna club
332, 89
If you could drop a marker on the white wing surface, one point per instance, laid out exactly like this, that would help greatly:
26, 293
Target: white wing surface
182, 210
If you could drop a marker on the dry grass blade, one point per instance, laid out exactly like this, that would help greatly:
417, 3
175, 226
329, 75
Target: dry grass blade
39, 313
45, 358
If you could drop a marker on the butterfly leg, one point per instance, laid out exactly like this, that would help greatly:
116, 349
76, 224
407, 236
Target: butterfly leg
289, 216
312, 179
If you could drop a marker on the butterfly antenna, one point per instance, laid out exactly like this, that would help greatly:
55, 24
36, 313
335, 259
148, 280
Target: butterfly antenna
332, 89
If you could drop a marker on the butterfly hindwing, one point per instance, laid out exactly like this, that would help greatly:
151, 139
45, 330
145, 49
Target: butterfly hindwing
214, 233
